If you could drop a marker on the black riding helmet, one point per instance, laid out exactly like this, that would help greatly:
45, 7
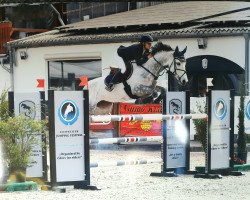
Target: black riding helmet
146, 38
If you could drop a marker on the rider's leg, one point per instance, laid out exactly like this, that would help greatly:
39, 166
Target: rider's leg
119, 68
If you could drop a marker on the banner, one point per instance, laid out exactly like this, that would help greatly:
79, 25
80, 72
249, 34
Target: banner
140, 128
220, 130
29, 105
69, 136
177, 133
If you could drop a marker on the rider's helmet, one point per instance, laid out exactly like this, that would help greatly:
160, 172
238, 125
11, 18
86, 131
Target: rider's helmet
146, 38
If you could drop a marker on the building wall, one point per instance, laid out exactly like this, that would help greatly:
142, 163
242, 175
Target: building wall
232, 48
35, 66
4, 79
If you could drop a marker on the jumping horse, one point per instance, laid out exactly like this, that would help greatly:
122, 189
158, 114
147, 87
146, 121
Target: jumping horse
142, 83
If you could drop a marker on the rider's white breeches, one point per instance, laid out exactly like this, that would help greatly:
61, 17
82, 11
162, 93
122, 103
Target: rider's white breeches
119, 63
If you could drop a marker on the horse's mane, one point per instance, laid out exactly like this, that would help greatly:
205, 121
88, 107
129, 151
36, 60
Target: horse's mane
160, 47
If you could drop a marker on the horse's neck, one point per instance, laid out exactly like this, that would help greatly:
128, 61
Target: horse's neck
154, 66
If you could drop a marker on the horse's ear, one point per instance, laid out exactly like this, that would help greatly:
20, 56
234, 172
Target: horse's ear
176, 49
159, 44
184, 51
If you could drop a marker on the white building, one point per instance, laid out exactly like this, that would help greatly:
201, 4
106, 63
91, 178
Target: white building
216, 31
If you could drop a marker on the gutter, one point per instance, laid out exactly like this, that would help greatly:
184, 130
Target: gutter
247, 64
11, 53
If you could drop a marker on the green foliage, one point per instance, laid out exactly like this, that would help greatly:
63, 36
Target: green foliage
19, 137
201, 126
242, 137
4, 105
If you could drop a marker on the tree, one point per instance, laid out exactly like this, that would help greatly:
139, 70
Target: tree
242, 138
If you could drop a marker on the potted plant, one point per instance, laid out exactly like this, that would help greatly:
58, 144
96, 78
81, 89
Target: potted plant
242, 137
18, 135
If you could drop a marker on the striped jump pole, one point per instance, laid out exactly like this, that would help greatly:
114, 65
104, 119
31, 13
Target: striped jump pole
124, 162
140, 117
126, 140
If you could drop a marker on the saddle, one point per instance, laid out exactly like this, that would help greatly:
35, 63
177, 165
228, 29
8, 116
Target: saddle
119, 77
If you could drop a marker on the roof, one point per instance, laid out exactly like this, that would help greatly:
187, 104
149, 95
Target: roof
193, 19
167, 13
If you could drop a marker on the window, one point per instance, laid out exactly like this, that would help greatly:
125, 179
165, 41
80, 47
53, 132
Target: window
64, 75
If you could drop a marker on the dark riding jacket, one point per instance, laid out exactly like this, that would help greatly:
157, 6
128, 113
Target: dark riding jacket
133, 52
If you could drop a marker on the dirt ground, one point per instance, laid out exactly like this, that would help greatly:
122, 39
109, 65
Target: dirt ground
135, 182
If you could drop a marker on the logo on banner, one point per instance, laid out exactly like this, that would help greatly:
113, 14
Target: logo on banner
175, 106
27, 108
220, 109
68, 112
248, 110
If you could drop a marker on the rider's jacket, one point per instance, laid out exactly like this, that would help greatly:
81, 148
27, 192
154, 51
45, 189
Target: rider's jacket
133, 52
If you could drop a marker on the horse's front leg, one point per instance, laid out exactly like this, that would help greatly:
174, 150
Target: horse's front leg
162, 93
145, 92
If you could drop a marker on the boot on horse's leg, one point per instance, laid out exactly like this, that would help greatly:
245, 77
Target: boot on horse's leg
117, 78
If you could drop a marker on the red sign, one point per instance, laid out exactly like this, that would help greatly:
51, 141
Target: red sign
84, 81
40, 83
140, 128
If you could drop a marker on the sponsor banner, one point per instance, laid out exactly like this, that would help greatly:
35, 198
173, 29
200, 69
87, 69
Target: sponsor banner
69, 136
220, 130
29, 105
140, 128
177, 133
247, 114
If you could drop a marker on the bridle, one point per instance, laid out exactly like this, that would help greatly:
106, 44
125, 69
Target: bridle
168, 67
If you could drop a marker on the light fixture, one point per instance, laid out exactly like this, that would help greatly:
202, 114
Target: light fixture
23, 55
204, 63
202, 43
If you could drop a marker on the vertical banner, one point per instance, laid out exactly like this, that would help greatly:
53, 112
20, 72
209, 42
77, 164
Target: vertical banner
69, 125
177, 133
219, 134
29, 105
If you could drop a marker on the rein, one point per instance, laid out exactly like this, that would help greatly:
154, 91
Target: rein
164, 68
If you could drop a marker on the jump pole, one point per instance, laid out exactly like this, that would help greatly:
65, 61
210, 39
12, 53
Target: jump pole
124, 162
140, 117
126, 140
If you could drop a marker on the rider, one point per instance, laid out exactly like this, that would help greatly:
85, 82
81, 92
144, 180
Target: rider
139, 52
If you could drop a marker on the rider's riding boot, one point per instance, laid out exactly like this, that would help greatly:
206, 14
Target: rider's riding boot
110, 87
116, 78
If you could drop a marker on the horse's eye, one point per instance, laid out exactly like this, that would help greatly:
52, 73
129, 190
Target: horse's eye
178, 64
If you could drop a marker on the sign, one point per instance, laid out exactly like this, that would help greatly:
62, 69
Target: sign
68, 137
140, 128
177, 134
29, 105
220, 130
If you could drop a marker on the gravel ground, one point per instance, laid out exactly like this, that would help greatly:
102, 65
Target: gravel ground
134, 182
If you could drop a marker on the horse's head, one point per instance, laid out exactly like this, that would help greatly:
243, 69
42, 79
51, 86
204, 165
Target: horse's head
179, 65
171, 60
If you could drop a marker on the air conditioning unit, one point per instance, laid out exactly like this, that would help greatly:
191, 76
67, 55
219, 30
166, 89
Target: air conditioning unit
85, 17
